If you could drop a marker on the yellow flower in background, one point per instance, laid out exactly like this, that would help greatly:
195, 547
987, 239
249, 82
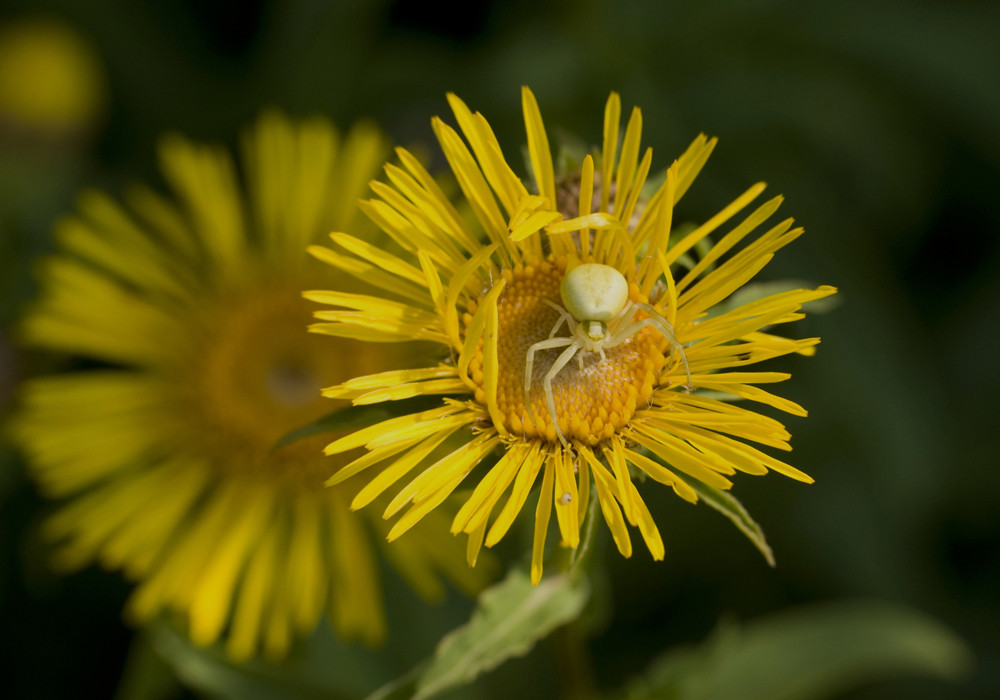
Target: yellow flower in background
51, 78
621, 351
167, 455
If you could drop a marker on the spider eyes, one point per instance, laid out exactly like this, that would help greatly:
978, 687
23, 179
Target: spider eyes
593, 292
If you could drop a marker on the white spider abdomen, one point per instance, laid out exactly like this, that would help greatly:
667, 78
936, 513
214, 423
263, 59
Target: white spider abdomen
592, 292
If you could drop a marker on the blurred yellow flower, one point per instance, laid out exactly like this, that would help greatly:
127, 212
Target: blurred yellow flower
51, 78
615, 394
167, 453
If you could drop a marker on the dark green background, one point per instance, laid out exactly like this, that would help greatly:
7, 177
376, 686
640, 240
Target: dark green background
877, 120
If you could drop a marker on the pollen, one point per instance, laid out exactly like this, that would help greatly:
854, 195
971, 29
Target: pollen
594, 396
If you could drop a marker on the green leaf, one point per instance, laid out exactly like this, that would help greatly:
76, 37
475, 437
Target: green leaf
511, 617
402, 688
727, 504
210, 671
321, 665
807, 654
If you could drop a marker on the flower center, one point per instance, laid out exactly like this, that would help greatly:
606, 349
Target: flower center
255, 376
593, 396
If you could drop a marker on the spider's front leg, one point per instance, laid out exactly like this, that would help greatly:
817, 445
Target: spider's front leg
529, 366
560, 362
662, 326
564, 317
625, 316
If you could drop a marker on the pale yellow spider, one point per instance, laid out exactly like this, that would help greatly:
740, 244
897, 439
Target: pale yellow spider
599, 315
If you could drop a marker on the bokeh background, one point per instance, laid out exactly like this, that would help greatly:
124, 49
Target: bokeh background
877, 120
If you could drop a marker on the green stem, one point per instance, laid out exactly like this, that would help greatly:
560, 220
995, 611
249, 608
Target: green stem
583, 549
575, 664
572, 653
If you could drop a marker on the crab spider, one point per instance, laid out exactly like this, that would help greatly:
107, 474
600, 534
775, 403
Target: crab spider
598, 315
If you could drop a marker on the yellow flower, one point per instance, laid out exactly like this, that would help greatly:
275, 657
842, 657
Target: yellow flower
51, 79
167, 454
617, 408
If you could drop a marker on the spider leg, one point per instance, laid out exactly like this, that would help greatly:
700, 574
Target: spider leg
564, 317
529, 365
624, 316
560, 362
667, 331
626, 332
664, 329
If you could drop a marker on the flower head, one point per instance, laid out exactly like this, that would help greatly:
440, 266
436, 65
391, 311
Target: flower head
51, 80
169, 456
580, 338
